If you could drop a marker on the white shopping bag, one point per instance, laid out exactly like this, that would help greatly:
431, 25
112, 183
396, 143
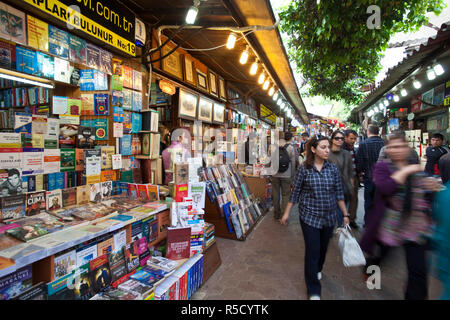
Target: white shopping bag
352, 255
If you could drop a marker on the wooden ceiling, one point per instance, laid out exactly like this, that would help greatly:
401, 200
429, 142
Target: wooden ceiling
225, 62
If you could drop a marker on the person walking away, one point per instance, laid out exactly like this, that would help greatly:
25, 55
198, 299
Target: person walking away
444, 167
434, 153
319, 193
349, 144
401, 214
366, 156
343, 160
281, 181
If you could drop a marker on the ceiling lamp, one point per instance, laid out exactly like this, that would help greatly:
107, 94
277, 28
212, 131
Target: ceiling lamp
261, 78
403, 92
231, 40
438, 69
417, 84
430, 74
279, 102
271, 91
386, 103
275, 96
266, 84
192, 12
244, 56
254, 67
396, 98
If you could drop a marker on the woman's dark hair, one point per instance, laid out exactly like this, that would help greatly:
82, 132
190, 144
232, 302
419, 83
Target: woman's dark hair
313, 142
396, 135
335, 133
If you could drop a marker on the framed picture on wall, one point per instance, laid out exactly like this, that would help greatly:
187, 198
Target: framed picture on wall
219, 113
205, 108
202, 80
213, 83
187, 105
189, 70
172, 63
222, 90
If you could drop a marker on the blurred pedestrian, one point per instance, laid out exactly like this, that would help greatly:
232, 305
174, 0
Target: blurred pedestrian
343, 160
349, 144
433, 153
319, 193
444, 167
366, 157
401, 214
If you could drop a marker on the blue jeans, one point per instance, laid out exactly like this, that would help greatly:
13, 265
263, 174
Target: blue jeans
316, 245
369, 192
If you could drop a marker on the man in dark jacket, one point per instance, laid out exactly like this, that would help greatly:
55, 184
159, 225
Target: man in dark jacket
366, 156
349, 145
433, 153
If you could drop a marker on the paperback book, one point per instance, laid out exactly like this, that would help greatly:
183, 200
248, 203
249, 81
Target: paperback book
35, 203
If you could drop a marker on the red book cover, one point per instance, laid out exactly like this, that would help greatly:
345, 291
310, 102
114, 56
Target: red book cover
142, 192
178, 243
180, 191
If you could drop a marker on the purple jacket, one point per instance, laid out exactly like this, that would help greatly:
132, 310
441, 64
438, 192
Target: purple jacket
386, 187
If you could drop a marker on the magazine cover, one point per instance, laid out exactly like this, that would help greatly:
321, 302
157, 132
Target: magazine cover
11, 182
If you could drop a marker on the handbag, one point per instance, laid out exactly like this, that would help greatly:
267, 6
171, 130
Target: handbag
352, 255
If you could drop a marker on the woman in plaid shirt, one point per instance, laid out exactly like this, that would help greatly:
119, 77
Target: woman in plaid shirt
319, 193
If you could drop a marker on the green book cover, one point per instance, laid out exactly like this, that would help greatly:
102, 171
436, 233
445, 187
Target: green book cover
67, 160
117, 83
126, 176
101, 129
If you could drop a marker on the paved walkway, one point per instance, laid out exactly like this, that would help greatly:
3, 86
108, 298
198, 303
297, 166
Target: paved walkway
269, 265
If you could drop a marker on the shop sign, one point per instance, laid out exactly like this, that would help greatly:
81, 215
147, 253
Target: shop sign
268, 114
167, 87
105, 20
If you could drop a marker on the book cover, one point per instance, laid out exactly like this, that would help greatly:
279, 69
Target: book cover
86, 254
181, 175
68, 135
62, 70
96, 194
142, 191
131, 256
117, 265
146, 277
67, 160
12, 24
144, 253
153, 192
65, 263
137, 80
85, 137
8, 54
12, 207
75, 76
127, 99
106, 188
77, 49
117, 99
36, 292
38, 32
105, 61
197, 193
101, 129
10, 140
79, 159
32, 161
35, 203
178, 243
69, 197
136, 101
92, 162
180, 192
92, 56
100, 273
59, 105
26, 60
16, 282
117, 82
59, 177
87, 104
125, 145
108, 175
127, 76
58, 42
107, 152
74, 106
105, 246
45, 65
120, 240
127, 122
83, 194
163, 263
136, 122
53, 200
117, 114
52, 133
101, 104
116, 160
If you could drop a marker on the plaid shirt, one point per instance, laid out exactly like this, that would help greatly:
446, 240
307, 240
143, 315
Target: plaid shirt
317, 194
367, 155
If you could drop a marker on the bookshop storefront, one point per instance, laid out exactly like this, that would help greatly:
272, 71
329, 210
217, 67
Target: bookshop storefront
95, 191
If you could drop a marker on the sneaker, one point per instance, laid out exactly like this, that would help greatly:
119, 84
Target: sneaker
319, 275
314, 297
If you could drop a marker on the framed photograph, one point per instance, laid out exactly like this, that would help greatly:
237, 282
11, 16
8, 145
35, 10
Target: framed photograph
219, 113
189, 70
213, 83
202, 80
187, 105
172, 63
222, 90
205, 108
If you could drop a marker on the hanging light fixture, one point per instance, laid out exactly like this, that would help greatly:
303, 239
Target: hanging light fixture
279, 102
192, 12
403, 92
430, 74
261, 78
231, 40
271, 91
266, 84
438, 69
396, 98
386, 103
254, 67
275, 96
417, 84
244, 56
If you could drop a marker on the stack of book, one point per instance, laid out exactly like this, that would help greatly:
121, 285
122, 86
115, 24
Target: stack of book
209, 235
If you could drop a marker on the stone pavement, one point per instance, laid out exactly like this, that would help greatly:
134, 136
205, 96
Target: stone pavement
269, 265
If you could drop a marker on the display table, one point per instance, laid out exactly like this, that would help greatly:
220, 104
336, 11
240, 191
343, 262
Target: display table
257, 186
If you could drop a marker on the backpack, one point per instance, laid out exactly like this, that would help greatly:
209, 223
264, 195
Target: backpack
284, 159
